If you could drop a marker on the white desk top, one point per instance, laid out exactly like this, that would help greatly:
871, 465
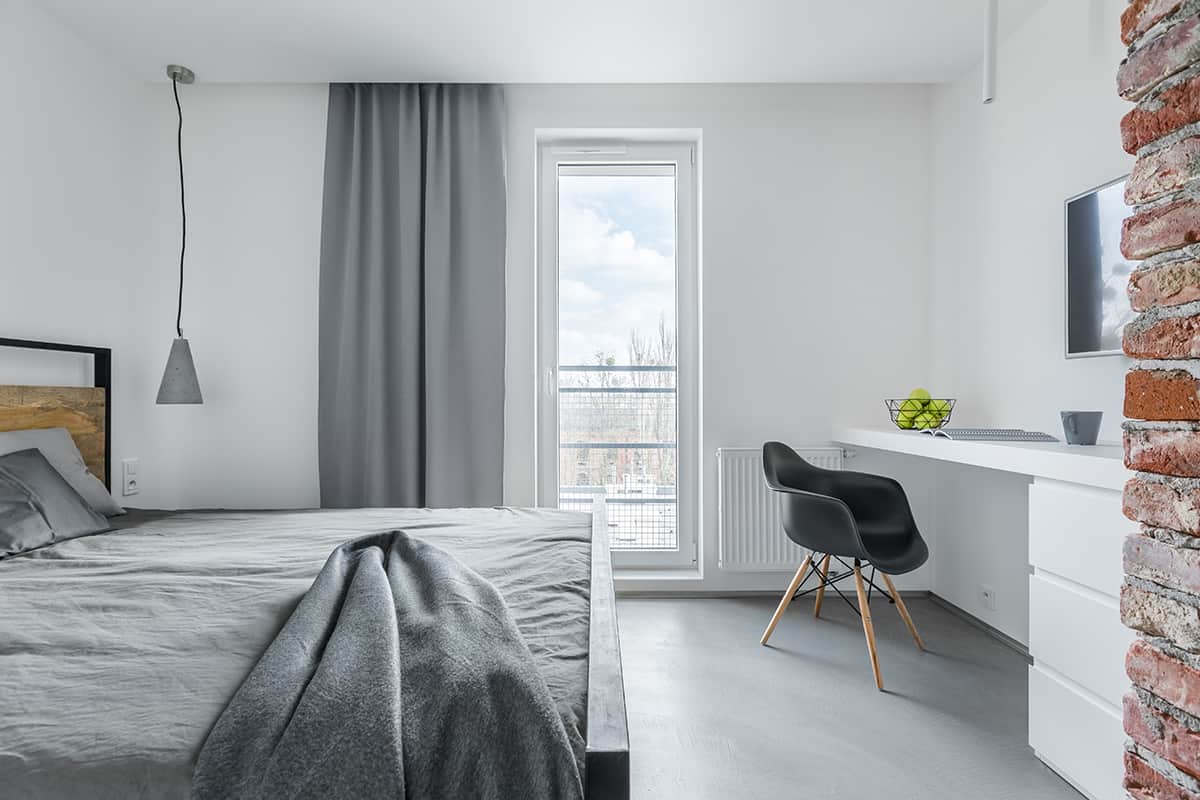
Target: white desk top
1099, 465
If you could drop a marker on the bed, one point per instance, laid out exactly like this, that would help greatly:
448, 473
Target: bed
119, 650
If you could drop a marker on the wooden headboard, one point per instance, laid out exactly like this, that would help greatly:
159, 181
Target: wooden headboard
85, 411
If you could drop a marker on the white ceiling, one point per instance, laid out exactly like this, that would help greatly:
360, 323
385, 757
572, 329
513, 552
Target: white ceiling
543, 41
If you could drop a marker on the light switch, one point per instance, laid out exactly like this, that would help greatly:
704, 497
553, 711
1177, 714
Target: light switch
129, 476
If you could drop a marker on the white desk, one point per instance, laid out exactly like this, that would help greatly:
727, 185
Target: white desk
1101, 465
1076, 639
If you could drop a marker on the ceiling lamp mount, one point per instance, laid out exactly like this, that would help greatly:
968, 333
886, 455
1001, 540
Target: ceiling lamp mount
180, 74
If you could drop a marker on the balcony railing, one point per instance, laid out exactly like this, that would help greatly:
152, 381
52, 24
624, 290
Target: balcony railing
617, 438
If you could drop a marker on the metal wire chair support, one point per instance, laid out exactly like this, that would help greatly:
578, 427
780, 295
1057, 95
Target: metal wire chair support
831, 581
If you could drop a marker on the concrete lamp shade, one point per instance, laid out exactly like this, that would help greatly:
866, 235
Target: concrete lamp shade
179, 382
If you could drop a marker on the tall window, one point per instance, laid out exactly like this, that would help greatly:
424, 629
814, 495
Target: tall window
619, 343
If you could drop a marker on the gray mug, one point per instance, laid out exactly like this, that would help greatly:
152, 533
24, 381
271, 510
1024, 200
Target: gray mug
1081, 427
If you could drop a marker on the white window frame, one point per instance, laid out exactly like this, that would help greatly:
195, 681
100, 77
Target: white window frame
642, 148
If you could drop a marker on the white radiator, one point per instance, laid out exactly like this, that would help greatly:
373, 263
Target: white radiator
750, 527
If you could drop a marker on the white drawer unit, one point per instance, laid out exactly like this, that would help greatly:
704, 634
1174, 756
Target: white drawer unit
1076, 637
1077, 532
1078, 633
1075, 734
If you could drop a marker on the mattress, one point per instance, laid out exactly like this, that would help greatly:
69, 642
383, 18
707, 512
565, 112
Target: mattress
119, 651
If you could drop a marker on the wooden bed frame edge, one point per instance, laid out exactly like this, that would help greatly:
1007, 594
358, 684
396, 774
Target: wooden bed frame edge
607, 765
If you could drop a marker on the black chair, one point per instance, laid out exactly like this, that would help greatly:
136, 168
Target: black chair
841, 515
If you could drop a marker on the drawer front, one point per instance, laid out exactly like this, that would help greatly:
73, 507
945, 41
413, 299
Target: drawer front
1077, 532
1078, 737
1079, 634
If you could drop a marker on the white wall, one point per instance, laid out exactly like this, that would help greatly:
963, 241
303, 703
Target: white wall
89, 238
1000, 174
73, 220
815, 245
254, 157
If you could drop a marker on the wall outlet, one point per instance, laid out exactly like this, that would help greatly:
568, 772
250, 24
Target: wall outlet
129, 477
987, 597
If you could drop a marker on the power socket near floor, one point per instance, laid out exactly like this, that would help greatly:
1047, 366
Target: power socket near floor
987, 597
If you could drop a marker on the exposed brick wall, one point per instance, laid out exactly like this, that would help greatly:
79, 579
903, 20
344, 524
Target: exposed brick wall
1159, 728
1161, 595
1171, 283
1166, 393
1165, 672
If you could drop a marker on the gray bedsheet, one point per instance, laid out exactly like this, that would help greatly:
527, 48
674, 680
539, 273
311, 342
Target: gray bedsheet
119, 651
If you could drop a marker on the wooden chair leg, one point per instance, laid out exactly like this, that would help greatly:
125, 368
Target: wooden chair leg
903, 609
868, 628
824, 571
787, 599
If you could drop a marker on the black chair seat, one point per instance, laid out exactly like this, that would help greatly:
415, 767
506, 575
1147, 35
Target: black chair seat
890, 553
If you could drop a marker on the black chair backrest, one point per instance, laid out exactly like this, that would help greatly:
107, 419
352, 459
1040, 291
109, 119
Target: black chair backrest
785, 469
812, 518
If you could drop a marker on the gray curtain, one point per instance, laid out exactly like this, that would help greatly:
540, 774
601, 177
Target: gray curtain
412, 296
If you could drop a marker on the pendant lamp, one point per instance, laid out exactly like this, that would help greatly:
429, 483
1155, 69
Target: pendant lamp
179, 382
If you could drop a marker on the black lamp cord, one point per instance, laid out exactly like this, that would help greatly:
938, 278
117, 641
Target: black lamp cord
182, 208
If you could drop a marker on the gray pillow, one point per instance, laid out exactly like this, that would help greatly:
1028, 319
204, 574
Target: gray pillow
59, 449
38, 507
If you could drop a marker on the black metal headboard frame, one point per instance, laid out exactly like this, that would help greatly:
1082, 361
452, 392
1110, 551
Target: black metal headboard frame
101, 379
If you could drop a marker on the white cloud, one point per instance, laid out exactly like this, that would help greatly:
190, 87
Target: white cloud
590, 244
577, 293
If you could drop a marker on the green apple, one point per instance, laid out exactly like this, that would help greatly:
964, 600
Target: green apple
904, 422
939, 407
911, 407
926, 420
920, 395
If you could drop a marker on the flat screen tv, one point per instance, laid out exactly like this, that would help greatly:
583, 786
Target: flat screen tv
1097, 273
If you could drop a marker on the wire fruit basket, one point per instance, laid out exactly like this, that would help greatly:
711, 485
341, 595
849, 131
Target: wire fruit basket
914, 414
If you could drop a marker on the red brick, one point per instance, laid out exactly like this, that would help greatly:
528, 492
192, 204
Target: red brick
1164, 676
1161, 112
1143, 782
1162, 338
1171, 504
1163, 563
1173, 52
1163, 734
1141, 15
1171, 284
1160, 229
1173, 450
1164, 171
1162, 394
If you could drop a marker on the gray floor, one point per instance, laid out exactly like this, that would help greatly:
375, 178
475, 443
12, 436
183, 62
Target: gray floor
712, 714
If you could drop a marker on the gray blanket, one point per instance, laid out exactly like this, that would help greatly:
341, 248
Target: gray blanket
400, 674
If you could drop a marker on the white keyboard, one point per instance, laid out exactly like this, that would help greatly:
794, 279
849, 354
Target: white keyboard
991, 435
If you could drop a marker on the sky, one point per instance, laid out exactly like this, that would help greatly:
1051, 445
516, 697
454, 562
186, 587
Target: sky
616, 263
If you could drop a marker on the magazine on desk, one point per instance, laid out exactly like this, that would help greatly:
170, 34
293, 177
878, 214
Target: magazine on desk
989, 434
